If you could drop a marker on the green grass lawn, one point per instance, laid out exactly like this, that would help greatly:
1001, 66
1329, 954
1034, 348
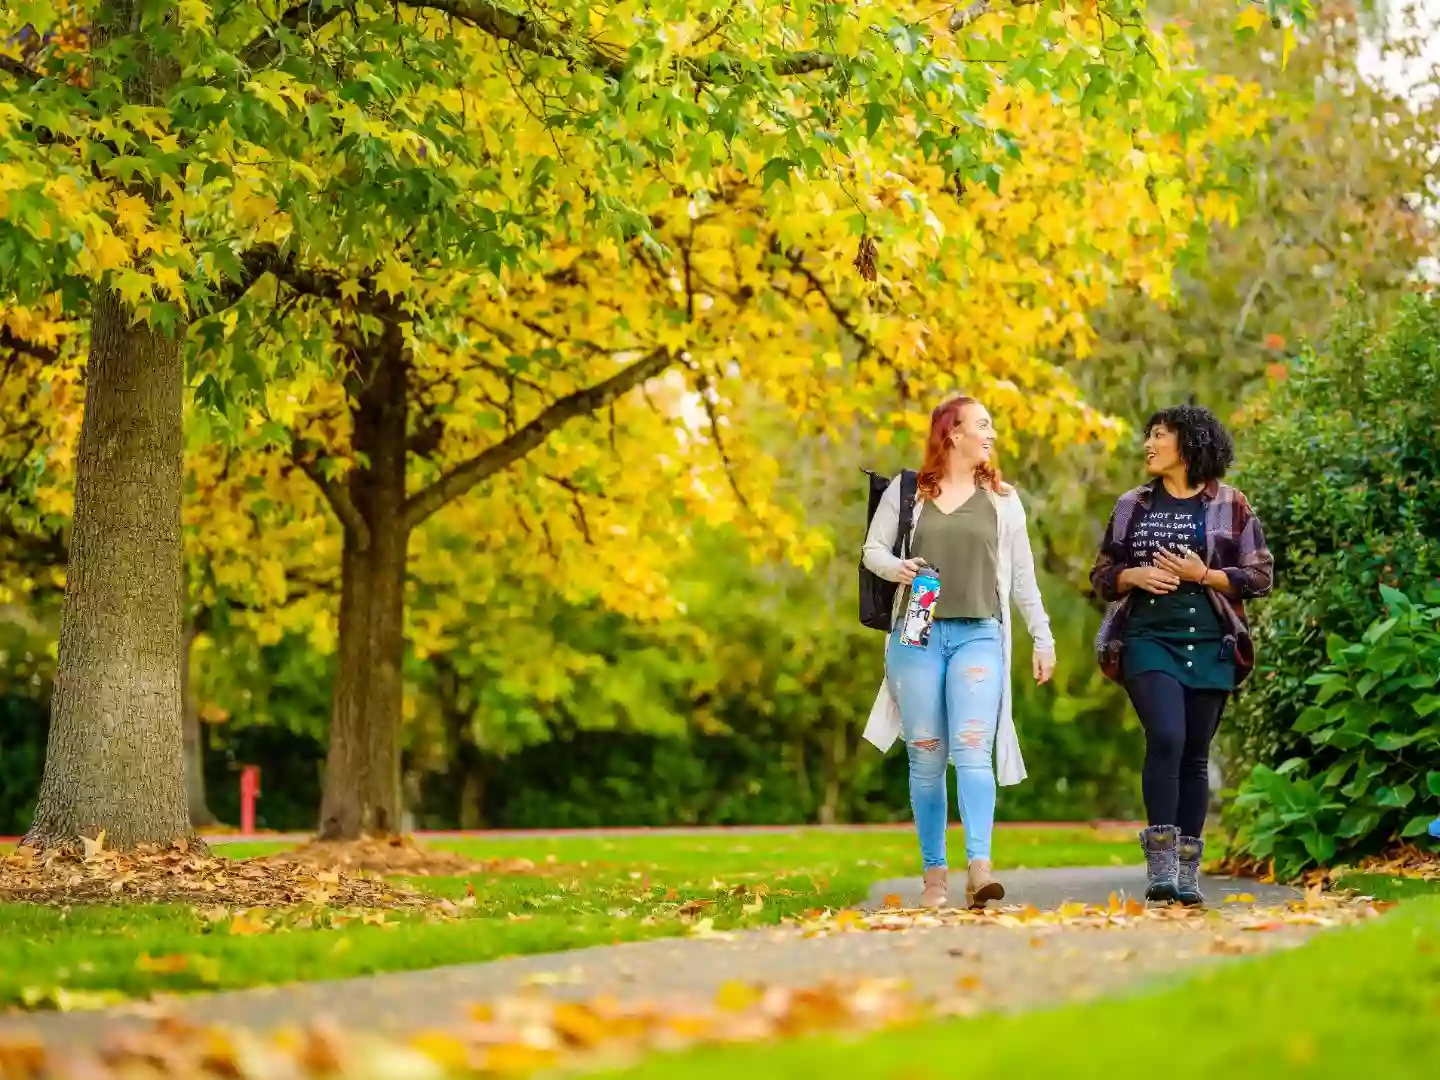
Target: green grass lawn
1363, 1001
596, 892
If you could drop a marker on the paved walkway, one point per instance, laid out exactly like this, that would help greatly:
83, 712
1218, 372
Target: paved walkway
1092, 885
1001, 968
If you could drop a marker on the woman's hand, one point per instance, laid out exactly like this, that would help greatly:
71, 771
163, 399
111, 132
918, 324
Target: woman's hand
909, 568
1186, 565
1044, 665
1153, 579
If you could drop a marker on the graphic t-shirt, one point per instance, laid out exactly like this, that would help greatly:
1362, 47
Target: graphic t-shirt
1169, 523
1179, 633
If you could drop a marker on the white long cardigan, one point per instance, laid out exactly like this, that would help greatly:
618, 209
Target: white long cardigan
1016, 580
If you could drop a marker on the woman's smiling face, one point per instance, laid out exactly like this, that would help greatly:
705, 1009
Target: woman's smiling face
1162, 451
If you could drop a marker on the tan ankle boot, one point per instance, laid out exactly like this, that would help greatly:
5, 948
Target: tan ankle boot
980, 886
937, 888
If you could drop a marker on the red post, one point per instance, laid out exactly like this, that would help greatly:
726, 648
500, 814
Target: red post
249, 792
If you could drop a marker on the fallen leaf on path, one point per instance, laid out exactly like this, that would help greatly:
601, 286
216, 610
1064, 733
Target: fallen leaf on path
893, 900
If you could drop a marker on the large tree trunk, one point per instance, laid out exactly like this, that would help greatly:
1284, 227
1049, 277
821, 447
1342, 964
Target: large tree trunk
200, 812
114, 760
362, 770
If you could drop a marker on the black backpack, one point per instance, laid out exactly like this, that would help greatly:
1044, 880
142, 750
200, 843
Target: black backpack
877, 596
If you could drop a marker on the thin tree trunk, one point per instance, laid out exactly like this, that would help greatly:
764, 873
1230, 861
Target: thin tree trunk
835, 760
200, 813
466, 762
114, 758
362, 770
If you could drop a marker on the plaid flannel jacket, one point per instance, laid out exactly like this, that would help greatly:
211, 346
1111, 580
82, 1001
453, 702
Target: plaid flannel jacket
1234, 543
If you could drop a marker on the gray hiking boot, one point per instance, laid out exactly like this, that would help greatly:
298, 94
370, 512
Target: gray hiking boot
1161, 864
1188, 850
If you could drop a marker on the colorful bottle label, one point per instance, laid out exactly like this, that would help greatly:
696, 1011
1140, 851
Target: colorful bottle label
920, 611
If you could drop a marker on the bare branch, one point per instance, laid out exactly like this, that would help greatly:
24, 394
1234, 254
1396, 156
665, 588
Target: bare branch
337, 495
846, 319
579, 506
461, 479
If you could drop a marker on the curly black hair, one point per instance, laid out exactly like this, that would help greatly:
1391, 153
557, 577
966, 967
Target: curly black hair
1205, 446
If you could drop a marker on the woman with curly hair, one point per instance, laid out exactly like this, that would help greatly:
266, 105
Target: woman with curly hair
1181, 555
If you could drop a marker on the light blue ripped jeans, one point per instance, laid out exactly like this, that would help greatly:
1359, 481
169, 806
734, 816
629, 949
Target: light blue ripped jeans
949, 698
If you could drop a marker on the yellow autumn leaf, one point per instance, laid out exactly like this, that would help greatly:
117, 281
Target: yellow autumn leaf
1252, 18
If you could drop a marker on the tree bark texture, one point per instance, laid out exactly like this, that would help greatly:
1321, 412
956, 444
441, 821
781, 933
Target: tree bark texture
362, 770
114, 758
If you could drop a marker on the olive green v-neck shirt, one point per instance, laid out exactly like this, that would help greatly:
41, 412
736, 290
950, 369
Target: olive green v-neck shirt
964, 546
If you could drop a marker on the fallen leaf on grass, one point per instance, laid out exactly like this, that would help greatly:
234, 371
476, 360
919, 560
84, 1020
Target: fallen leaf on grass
247, 925
59, 999
163, 965
394, 855
85, 872
93, 848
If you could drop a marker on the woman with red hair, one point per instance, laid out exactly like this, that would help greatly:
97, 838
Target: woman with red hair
947, 687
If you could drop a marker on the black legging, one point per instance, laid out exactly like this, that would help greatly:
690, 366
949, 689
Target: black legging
1179, 723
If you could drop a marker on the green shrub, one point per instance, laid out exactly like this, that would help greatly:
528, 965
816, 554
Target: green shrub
1370, 730
1342, 465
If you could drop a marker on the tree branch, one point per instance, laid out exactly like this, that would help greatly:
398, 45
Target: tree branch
10, 342
845, 318
311, 15
337, 495
535, 36
19, 69
979, 9
461, 479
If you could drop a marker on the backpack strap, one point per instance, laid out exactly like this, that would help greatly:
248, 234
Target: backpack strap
908, 479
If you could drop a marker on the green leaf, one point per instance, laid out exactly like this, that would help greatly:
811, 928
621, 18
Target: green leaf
1393, 740
1320, 846
1394, 599
776, 170
1358, 821
1334, 646
1427, 705
1400, 795
1416, 826
875, 116
1311, 719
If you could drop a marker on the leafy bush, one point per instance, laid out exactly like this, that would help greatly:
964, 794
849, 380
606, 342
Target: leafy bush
1341, 463
1371, 733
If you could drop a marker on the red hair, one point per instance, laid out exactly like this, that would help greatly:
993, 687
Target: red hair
943, 422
